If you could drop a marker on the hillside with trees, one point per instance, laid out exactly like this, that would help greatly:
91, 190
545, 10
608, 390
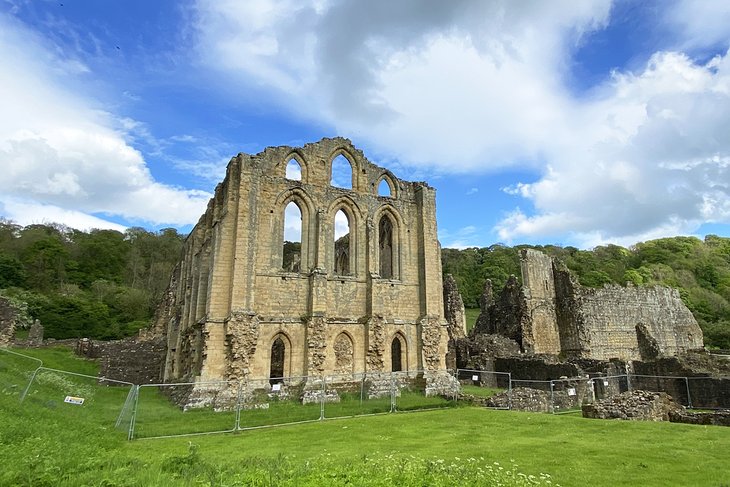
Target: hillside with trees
106, 284
699, 269
100, 284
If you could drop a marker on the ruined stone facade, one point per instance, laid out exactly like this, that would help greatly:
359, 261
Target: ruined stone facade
243, 303
552, 314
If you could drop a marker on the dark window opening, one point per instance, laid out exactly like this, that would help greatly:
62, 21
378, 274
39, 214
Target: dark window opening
385, 238
278, 350
395, 355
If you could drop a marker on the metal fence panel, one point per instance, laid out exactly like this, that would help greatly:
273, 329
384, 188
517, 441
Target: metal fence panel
410, 391
605, 387
568, 395
16, 372
357, 394
71, 395
677, 387
483, 384
185, 409
709, 392
286, 400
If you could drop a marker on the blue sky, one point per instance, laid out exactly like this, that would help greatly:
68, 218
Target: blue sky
564, 122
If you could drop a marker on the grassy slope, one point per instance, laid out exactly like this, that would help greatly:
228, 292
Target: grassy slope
471, 317
44, 443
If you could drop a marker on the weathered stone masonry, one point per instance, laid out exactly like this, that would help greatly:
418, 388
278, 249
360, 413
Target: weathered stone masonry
232, 299
552, 314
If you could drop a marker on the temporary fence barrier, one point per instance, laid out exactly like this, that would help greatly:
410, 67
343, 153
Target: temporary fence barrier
76, 395
210, 408
220, 407
16, 372
410, 390
677, 387
709, 392
149, 411
568, 394
607, 386
277, 401
485, 384
348, 395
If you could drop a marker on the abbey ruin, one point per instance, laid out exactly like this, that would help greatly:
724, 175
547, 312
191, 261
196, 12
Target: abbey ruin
551, 313
248, 302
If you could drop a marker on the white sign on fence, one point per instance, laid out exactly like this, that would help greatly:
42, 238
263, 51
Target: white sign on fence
571, 392
74, 400
474, 377
276, 388
605, 383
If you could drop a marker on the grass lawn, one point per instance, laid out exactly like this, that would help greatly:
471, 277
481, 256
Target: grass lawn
47, 442
471, 317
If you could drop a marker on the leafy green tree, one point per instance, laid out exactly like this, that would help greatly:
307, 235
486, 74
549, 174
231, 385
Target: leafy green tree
12, 272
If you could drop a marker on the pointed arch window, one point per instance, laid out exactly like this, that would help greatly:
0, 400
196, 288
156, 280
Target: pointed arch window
341, 172
278, 354
292, 249
293, 170
396, 354
343, 246
384, 188
386, 247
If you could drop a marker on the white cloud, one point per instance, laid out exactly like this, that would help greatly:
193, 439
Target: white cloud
471, 86
463, 238
64, 156
28, 213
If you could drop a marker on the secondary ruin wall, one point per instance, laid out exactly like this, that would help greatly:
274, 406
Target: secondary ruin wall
551, 313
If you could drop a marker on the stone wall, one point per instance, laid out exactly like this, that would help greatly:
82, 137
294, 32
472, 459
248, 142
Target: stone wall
134, 360
342, 307
551, 313
540, 328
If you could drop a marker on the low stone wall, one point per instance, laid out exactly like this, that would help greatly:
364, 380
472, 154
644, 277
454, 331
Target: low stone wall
130, 360
521, 399
716, 418
708, 379
537, 369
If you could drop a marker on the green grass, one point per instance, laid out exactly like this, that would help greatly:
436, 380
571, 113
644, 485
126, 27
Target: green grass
480, 391
77, 445
471, 317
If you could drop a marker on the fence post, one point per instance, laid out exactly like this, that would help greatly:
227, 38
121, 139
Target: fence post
392, 393
552, 398
237, 426
509, 391
689, 395
133, 421
30, 382
321, 399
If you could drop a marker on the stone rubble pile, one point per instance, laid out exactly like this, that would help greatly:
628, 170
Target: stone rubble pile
634, 405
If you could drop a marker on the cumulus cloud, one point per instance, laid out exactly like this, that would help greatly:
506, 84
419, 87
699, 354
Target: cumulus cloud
473, 86
62, 156
653, 159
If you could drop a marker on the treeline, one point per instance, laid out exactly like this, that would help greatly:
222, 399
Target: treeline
106, 284
100, 284
699, 269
